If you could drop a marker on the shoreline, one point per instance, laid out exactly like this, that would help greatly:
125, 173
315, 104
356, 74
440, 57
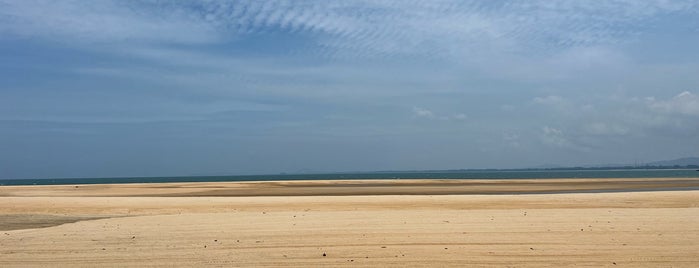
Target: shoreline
359, 187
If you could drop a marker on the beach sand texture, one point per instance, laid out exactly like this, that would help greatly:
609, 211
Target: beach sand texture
353, 223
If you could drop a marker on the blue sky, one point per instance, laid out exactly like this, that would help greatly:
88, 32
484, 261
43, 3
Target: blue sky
151, 88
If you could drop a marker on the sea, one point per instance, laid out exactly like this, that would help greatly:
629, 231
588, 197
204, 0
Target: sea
462, 174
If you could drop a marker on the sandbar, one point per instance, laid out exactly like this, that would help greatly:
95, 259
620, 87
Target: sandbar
369, 223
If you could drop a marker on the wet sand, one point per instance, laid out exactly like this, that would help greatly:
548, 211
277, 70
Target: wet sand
521, 223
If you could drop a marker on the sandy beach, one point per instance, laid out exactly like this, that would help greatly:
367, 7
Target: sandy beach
436, 223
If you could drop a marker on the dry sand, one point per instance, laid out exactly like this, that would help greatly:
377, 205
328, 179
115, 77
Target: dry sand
354, 223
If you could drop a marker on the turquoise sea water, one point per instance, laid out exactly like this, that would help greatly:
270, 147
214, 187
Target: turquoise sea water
495, 174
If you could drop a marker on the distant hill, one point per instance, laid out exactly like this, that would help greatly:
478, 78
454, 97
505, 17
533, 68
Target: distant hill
687, 161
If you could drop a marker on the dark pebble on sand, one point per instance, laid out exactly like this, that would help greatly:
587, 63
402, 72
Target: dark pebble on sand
324, 254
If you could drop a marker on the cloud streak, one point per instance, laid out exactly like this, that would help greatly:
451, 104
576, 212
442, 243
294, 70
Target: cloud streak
348, 29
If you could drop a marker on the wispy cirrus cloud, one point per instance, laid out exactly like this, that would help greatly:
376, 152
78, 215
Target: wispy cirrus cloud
349, 29
100, 22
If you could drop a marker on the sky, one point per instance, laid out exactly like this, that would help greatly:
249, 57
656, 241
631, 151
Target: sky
166, 88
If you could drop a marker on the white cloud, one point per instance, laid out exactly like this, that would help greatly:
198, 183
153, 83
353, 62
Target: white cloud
599, 128
428, 114
422, 112
553, 136
549, 100
557, 138
684, 103
555, 102
512, 139
571, 62
459, 117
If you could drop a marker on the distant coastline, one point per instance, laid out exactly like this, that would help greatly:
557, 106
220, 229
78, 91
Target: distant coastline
675, 167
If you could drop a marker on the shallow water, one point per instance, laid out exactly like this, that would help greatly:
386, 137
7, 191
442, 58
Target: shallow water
490, 174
